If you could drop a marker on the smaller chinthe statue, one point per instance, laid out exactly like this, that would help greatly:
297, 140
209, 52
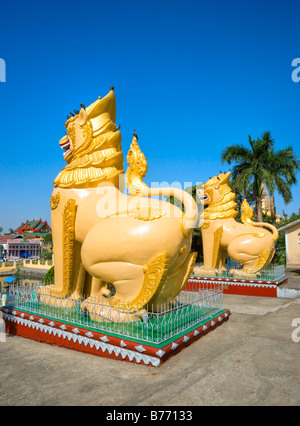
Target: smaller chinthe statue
248, 243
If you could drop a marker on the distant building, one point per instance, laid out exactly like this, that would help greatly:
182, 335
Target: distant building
292, 243
17, 248
36, 229
3, 243
266, 203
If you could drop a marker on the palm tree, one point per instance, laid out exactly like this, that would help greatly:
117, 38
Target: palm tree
282, 167
262, 164
248, 174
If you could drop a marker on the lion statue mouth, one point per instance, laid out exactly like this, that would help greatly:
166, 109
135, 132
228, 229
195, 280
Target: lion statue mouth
204, 198
65, 145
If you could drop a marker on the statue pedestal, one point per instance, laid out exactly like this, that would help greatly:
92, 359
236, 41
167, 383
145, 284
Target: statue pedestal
108, 345
239, 286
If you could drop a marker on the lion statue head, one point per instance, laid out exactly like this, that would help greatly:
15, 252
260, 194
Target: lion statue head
92, 146
218, 198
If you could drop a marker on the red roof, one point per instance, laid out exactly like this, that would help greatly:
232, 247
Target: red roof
4, 238
33, 226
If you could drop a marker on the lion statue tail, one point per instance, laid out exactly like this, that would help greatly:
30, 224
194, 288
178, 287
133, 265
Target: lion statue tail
137, 170
246, 216
189, 217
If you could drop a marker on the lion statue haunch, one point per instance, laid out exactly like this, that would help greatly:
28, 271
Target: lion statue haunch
113, 251
247, 243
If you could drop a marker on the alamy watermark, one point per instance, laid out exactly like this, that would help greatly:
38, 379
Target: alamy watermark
2, 71
296, 332
112, 203
296, 71
2, 322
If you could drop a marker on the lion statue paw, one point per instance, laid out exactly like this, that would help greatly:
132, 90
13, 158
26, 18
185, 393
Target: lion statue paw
202, 270
100, 309
49, 295
238, 273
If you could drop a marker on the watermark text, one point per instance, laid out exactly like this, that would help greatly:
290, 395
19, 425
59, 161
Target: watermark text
176, 199
296, 331
2, 71
296, 71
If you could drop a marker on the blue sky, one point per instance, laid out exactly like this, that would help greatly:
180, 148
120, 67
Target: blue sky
191, 77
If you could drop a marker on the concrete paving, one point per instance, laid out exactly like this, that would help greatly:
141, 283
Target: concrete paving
252, 359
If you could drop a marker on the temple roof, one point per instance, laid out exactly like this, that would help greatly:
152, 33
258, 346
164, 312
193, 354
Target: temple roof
37, 227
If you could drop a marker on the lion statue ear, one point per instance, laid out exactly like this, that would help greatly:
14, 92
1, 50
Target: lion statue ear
224, 178
218, 183
82, 117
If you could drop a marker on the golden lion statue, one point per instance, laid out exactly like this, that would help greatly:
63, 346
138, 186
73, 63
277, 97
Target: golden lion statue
247, 243
112, 251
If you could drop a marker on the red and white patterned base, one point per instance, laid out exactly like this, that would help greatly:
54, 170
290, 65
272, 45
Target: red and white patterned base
246, 287
58, 333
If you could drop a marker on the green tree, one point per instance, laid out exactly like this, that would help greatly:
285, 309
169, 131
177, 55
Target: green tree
46, 255
262, 164
49, 277
282, 167
48, 237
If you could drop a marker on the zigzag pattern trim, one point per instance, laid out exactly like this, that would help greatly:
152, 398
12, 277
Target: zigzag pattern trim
243, 283
99, 345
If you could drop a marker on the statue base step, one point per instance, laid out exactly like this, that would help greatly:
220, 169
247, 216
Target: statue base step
239, 286
56, 332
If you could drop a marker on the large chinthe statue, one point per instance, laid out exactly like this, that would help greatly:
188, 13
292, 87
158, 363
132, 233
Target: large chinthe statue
247, 243
111, 250
122, 256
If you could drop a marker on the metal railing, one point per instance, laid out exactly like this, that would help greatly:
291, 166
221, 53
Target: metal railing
167, 321
271, 272
26, 262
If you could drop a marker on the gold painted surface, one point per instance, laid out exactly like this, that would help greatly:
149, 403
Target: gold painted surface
68, 245
223, 206
251, 272
263, 257
247, 213
252, 247
147, 213
113, 247
191, 264
246, 216
54, 201
216, 247
182, 250
137, 168
95, 152
259, 234
155, 273
183, 230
